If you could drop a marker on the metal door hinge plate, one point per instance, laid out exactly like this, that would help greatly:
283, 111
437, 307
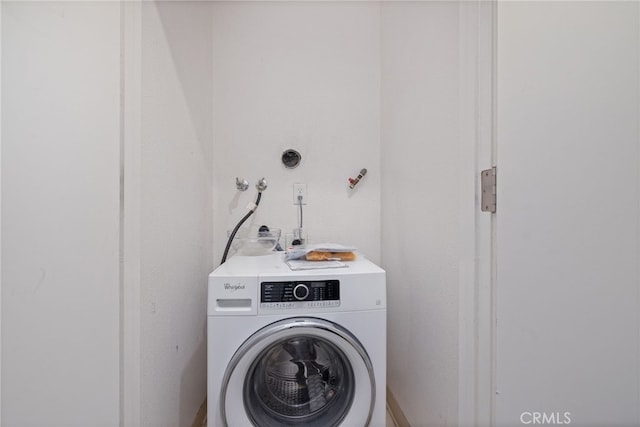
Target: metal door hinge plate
488, 183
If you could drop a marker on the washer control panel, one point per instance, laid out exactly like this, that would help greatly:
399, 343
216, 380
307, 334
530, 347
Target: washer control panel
300, 294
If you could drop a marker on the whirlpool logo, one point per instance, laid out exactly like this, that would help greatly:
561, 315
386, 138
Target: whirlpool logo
233, 288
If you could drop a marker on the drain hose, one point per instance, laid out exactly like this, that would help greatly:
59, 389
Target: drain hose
237, 227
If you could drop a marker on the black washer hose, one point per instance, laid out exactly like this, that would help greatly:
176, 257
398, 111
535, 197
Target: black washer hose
237, 227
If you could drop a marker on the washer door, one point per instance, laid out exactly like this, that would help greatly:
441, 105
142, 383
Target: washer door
299, 371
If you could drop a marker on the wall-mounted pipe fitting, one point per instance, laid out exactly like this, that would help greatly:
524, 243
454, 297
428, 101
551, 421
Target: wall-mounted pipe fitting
242, 184
291, 158
354, 181
261, 185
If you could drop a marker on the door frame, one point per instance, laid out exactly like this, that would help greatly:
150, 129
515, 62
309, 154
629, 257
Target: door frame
0, 216
130, 215
476, 333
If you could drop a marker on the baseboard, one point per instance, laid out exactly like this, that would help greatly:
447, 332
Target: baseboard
201, 416
395, 411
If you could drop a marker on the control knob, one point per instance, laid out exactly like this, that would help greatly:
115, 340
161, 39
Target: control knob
301, 291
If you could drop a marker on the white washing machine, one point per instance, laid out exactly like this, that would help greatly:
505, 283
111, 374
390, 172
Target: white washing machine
296, 348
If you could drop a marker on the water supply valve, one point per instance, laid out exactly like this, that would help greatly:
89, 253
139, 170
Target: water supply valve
242, 184
354, 181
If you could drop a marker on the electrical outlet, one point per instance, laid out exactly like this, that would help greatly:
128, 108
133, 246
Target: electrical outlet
299, 190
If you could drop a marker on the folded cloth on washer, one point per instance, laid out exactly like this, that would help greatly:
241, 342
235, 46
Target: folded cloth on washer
322, 252
301, 264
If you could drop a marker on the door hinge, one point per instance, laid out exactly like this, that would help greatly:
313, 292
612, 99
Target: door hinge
488, 184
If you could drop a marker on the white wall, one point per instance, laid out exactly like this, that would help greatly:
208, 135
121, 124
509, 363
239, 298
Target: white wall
176, 178
420, 191
225, 88
60, 213
302, 75
326, 79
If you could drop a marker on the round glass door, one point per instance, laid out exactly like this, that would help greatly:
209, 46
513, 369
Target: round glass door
299, 372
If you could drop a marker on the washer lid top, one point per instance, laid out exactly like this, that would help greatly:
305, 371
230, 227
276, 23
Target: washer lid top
273, 265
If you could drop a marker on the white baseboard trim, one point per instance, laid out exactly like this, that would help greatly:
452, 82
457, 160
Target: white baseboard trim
399, 419
201, 417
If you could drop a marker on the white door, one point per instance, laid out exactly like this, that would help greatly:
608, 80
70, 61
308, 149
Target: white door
568, 219
301, 371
